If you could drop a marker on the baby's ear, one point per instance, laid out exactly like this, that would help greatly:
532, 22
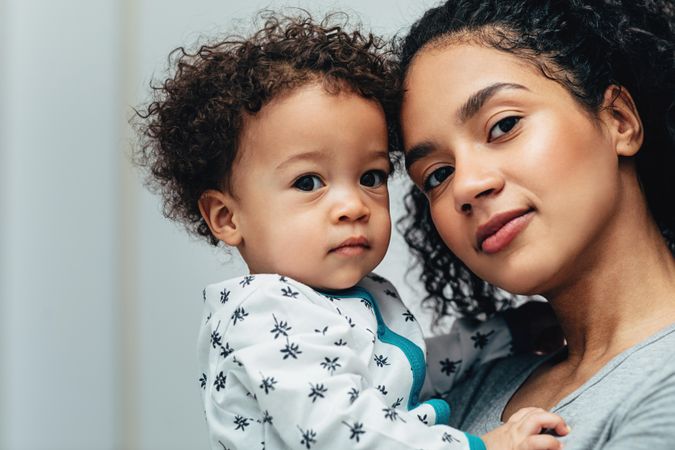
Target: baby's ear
623, 120
218, 210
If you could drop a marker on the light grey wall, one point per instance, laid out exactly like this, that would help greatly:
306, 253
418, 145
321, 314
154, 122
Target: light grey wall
99, 294
60, 113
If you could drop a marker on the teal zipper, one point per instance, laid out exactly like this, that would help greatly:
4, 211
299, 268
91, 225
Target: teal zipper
412, 352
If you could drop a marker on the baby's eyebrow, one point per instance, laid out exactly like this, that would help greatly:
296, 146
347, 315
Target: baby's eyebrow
478, 99
313, 155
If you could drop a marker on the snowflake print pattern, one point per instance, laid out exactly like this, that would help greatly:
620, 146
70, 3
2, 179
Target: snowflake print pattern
390, 293
219, 383
449, 367
291, 350
236, 361
307, 437
318, 357
391, 413
480, 340
317, 391
266, 418
216, 339
376, 278
280, 327
447, 437
267, 384
246, 281
353, 394
331, 364
356, 430
238, 315
226, 350
381, 361
367, 304
241, 423
288, 292
224, 296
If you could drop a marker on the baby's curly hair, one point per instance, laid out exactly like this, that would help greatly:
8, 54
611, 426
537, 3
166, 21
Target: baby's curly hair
586, 46
189, 132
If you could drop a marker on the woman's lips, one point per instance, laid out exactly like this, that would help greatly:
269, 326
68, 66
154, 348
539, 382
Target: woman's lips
497, 233
352, 247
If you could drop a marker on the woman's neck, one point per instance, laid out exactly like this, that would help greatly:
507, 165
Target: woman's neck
622, 295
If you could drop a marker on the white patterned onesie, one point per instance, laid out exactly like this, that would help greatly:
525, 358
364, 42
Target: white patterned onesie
288, 367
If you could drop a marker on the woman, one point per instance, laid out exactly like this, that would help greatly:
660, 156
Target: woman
540, 139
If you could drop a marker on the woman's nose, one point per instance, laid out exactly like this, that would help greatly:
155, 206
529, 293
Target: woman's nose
349, 206
474, 182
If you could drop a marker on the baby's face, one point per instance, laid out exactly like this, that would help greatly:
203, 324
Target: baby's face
310, 187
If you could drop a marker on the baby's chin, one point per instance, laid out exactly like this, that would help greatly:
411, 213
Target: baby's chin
336, 283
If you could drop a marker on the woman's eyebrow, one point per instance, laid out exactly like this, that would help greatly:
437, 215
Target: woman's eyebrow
416, 153
469, 109
476, 101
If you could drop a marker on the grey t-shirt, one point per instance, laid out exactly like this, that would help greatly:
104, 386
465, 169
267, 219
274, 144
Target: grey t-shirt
628, 405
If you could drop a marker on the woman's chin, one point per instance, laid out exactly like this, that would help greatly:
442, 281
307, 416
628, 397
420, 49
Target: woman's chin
521, 281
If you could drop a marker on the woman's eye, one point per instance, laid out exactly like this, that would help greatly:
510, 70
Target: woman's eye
502, 127
373, 178
437, 177
308, 183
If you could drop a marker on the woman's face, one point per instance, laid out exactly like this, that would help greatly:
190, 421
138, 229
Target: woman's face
521, 180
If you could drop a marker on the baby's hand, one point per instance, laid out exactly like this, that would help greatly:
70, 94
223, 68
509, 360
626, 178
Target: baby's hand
521, 432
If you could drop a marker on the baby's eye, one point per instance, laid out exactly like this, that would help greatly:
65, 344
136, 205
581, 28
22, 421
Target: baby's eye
308, 183
373, 178
437, 177
502, 127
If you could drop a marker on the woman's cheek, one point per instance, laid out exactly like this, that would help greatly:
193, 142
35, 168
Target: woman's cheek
447, 226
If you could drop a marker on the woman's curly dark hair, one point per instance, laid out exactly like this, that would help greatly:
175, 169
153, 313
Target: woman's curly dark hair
189, 132
586, 46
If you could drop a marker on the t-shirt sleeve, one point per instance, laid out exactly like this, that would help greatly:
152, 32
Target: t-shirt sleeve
286, 355
469, 344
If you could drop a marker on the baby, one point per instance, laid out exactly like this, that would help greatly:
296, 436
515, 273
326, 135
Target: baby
278, 145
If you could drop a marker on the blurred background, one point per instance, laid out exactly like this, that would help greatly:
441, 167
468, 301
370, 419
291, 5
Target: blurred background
99, 294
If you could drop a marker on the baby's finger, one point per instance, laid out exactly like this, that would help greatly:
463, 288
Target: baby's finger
522, 412
535, 422
540, 442
562, 429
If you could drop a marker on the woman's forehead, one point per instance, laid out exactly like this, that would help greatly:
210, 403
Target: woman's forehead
460, 71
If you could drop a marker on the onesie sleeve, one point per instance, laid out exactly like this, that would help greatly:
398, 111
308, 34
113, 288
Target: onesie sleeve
454, 356
285, 354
